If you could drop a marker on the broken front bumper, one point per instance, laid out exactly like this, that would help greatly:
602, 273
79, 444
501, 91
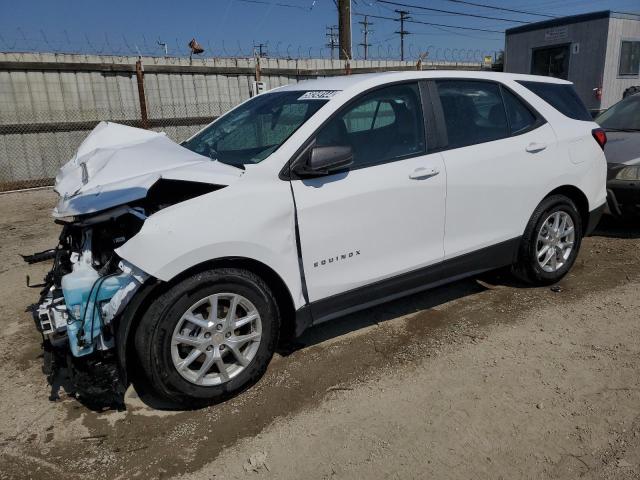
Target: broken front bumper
79, 340
87, 327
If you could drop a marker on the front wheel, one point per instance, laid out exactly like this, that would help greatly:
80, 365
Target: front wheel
551, 242
208, 337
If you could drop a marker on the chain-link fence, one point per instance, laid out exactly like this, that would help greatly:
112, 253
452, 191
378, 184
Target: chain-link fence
32, 150
49, 103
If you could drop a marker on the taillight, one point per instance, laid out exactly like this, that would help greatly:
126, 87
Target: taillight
601, 136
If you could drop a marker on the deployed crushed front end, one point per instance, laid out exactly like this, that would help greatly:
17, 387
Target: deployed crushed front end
88, 284
87, 288
119, 177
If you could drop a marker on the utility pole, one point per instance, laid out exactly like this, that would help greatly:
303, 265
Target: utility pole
332, 41
144, 117
404, 15
366, 24
344, 26
262, 52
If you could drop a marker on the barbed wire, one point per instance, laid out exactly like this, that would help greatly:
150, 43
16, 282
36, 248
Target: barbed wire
22, 42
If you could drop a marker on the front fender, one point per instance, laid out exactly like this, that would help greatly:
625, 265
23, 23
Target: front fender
250, 219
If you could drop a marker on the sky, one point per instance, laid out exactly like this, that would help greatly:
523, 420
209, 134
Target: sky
289, 28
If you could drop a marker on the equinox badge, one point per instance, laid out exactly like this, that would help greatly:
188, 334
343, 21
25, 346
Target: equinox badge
337, 258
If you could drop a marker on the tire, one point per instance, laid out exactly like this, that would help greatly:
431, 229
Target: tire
170, 317
527, 267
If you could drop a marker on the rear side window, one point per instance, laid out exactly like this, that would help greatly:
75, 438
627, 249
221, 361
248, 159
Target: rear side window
561, 97
520, 117
473, 112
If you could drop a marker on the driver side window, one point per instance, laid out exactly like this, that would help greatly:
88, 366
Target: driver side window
382, 126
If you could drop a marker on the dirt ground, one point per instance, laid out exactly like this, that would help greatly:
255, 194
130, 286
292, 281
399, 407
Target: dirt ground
479, 379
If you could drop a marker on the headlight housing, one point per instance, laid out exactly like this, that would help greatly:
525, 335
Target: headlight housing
629, 173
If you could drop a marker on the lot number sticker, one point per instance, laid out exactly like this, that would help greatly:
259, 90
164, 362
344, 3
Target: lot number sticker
318, 95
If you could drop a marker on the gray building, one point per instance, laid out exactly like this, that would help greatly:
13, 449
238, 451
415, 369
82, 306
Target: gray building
599, 52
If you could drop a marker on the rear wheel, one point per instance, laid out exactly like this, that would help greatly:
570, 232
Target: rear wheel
209, 337
551, 241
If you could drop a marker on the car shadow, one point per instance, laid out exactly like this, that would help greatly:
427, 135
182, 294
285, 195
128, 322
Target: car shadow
618, 227
356, 321
388, 311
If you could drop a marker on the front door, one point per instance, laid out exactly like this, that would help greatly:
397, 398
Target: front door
382, 217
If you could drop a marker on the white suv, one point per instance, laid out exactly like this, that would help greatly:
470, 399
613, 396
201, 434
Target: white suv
186, 263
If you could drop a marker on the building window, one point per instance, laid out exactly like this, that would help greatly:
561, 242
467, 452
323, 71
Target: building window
551, 62
629, 57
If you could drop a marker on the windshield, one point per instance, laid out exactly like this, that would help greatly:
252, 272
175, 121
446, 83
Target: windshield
255, 129
624, 115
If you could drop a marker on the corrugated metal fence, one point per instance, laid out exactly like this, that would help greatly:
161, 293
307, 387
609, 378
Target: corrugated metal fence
49, 102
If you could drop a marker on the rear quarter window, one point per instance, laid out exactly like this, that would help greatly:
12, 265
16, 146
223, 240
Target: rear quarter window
562, 97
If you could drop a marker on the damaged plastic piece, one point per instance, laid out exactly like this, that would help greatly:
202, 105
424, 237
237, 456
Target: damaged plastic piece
93, 301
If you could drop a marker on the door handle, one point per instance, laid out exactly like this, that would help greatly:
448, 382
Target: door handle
535, 147
423, 172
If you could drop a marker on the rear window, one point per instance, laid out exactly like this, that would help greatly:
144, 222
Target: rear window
561, 97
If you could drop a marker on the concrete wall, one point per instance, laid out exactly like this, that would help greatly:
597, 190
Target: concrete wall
49, 102
614, 85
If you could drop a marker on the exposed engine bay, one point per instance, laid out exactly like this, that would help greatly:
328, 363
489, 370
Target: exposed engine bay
89, 285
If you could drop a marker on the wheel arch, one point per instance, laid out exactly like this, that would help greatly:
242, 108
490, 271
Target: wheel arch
130, 319
578, 197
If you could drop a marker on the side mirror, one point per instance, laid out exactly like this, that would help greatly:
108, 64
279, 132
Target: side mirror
324, 160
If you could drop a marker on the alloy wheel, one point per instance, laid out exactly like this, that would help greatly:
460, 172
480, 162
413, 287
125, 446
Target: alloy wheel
555, 241
216, 338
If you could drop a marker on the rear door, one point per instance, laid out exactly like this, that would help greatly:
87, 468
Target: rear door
498, 157
383, 216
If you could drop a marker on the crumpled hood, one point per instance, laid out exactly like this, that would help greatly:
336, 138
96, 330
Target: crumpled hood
117, 164
623, 148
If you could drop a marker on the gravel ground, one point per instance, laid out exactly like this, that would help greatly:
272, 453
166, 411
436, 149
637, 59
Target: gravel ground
478, 379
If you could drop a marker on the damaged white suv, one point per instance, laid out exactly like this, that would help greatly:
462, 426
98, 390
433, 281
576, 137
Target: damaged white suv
183, 265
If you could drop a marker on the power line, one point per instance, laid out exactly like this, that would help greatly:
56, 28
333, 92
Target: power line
262, 50
451, 12
366, 24
433, 24
503, 9
332, 37
277, 4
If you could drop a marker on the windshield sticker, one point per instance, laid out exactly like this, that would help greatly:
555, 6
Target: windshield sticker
318, 95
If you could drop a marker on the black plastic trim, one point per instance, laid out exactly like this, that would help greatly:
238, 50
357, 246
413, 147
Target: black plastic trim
303, 320
303, 277
432, 134
594, 218
450, 270
124, 322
